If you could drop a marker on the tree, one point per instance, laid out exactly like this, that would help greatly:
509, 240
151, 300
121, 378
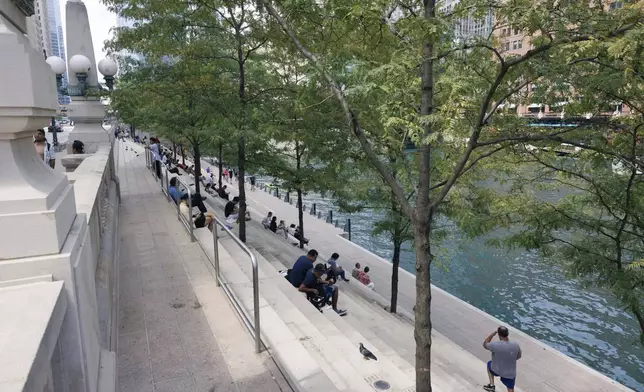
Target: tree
442, 93
307, 142
586, 211
364, 189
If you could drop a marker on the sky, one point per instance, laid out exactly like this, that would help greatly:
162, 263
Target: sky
100, 22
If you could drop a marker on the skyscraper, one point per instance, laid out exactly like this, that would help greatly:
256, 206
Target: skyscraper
469, 27
122, 22
38, 28
57, 40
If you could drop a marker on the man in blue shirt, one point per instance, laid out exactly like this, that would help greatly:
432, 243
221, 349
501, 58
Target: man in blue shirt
301, 266
176, 194
314, 284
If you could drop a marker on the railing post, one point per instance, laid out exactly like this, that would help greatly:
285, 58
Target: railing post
337, 223
167, 185
314, 209
319, 214
258, 342
349, 227
216, 242
329, 218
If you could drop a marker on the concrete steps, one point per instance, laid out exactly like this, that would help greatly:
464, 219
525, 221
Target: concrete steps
302, 370
453, 368
336, 347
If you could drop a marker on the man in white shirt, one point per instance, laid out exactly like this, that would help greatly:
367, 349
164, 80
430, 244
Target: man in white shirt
267, 220
207, 181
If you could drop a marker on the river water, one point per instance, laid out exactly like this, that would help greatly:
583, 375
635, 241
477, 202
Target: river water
522, 289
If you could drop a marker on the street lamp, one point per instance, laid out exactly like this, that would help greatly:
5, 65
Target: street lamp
80, 66
107, 68
58, 66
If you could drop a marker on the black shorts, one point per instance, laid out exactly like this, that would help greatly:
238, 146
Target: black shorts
200, 221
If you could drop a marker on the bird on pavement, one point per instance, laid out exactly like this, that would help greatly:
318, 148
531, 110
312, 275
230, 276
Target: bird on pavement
366, 354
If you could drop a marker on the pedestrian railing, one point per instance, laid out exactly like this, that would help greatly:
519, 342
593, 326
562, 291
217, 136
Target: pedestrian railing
188, 223
165, 184
253, 327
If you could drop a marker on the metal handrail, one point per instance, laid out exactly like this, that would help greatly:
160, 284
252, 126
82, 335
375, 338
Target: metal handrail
256, 330
188, 223
164, 187
147, 157
253, 328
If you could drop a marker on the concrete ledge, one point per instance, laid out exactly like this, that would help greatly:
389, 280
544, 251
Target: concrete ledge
73, 161
18, 282
32, 316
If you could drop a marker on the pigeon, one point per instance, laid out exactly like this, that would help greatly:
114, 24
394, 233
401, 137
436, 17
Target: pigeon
366, 353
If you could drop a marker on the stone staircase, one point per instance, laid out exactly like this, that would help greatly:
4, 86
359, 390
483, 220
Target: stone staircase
319, 351
455, 370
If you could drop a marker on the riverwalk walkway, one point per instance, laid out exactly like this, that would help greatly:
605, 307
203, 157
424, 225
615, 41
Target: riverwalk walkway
542, 368
177, 331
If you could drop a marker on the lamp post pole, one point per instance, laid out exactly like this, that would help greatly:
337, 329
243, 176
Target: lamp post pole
53, 129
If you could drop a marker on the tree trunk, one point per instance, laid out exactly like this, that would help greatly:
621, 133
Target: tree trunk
197, 173
422, 219
241, 157
132, 131
395, 263
183, 155
174, 151
300, 210
300, 216
220, 163
241, 152
422, 312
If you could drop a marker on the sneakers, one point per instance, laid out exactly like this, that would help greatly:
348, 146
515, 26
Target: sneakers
489, 387
341, 312
346, 280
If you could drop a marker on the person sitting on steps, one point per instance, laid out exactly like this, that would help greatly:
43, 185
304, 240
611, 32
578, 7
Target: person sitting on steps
266, 222
282, 228
273, 225
176, 195
356, 271
200, 220
223, 193
363, 277
335, 268
231, 211
314, 284
298, 234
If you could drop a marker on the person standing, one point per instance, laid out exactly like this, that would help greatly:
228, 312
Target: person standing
156, 156
505, 355
43, 148
253, 180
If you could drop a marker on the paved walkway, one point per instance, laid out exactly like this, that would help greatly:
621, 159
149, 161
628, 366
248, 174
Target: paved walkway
177, 332
542, 369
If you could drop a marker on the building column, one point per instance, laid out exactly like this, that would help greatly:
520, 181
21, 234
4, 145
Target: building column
86, 111
40, 230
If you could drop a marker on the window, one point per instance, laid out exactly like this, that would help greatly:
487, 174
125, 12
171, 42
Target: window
514, 45
616, 5
516, 31
519, 44
507, 45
